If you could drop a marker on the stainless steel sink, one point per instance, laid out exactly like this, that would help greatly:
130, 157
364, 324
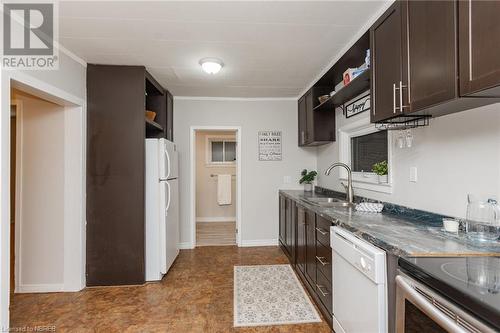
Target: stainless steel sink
328, 202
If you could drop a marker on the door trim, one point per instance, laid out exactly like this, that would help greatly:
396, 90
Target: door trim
192, 179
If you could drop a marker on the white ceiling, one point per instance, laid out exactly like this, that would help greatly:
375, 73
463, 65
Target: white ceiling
270, 48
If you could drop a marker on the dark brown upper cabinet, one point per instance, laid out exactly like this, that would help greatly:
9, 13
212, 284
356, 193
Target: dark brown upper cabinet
415, 52
169, 127
431, 58
387, 63
316, 127
414, 58
302, 121
479, 31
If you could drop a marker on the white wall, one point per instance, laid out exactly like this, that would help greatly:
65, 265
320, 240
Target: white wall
67, 86
456, 155
260, 180
40, 222
207, 208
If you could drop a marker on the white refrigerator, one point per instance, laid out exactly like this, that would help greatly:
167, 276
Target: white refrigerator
162, 207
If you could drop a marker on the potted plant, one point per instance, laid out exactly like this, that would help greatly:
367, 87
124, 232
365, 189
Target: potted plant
307, 179
380, 169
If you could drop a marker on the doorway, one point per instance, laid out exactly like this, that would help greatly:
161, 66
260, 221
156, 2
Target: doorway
37, 194
18, 240
216, 186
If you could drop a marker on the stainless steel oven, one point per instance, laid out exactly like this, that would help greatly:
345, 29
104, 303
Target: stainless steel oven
420, 309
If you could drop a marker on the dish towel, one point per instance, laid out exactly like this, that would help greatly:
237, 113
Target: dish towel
224, 190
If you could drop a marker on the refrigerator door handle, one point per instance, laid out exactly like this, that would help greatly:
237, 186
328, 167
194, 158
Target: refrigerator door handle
169, 197
168, 163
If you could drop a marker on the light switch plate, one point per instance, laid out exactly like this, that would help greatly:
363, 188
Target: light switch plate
287, 180
413, 174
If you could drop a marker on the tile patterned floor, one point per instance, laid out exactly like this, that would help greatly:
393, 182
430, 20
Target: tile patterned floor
195, 296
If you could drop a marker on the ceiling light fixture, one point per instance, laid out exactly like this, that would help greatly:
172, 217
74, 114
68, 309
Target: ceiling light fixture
211, 65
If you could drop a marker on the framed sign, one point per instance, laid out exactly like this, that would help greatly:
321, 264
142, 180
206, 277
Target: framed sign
357, 106
269, 145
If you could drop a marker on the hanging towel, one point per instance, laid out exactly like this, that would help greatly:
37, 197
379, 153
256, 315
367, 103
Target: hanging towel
224, 190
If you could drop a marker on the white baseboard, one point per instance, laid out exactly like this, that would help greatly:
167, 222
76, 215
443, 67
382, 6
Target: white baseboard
185, 246
216, 219
39, 288
259, 242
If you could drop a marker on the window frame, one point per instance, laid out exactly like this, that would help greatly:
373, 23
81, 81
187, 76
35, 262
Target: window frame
363, 180
208, 150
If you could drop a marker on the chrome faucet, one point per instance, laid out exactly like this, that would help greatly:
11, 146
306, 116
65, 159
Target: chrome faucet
348, 187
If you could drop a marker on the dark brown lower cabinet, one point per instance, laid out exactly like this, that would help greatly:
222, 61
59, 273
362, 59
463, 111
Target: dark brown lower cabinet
309, 253
300, 253
311, 247
287, 227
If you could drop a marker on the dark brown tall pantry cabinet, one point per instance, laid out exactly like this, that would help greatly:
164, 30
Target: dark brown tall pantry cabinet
117, 97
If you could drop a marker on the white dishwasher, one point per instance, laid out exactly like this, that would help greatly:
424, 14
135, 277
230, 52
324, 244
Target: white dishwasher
359, 284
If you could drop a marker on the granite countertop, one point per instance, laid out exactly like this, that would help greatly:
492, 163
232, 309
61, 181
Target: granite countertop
398, 234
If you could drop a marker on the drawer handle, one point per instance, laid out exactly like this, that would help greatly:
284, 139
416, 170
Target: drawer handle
322, 231
320, 259
324, 293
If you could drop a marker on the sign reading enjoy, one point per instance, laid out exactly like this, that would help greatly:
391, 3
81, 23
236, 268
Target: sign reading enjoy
270, 146
29, 36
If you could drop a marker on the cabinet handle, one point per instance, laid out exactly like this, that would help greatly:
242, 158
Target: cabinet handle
322, 231
303, 137
324, 293
401, 86
400, 90
322, 260
394, 98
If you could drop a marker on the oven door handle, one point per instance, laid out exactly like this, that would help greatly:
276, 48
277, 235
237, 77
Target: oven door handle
427, 307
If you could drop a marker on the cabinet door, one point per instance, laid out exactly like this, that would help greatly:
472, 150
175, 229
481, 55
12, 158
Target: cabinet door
289, 232
282, 218
302, 121
170, 117
301, 239
309, 136
311, 247
479, 32
386, 59
432, 54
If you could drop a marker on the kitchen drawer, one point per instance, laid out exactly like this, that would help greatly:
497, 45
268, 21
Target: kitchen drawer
323, 230
324, 291
324, 260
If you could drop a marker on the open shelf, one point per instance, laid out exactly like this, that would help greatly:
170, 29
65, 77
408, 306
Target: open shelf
358, 85
152, 125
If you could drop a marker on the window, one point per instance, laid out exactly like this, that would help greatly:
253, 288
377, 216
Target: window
367, 150
221, 151
360, 146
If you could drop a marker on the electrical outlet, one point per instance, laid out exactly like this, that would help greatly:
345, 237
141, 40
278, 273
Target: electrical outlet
287, 180
413, 174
